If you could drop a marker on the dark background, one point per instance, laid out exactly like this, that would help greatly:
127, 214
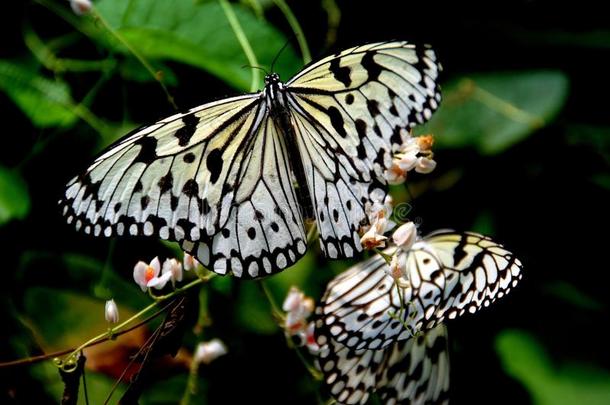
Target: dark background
538, 197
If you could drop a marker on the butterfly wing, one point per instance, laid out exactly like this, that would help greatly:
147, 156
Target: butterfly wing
197, 178
448, 274
351, 111
417, 370
408, 371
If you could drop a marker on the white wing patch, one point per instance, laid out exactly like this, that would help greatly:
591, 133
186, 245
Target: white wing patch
408, 371
449, 274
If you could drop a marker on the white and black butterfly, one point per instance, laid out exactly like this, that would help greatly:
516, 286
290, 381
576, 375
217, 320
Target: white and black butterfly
412, 371
447, 275
234, 180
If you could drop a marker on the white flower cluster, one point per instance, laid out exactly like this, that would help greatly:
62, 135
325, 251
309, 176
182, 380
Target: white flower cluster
415, 154
153, 274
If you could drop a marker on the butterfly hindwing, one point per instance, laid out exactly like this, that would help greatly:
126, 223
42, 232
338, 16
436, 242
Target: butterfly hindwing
351, 111
414, 371
448, 274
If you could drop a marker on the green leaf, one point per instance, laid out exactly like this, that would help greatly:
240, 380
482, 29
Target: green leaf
14, 197
573, 295
492, 112
46, 102
63, 318
525, 359
197, 34
254, 312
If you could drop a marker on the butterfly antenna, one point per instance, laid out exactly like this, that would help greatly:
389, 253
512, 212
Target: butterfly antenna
279, 53
256, 67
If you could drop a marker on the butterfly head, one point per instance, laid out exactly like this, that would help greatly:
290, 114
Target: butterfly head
271, 79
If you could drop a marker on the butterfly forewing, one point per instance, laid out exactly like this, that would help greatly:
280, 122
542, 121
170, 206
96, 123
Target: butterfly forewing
351, 111
448, 274
202, 178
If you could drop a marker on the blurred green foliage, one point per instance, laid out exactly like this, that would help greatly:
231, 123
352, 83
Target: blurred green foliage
78, 81
550, 384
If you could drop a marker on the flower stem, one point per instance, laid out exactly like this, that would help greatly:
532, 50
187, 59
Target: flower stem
113, 331
136, 54
296, 28
243, 41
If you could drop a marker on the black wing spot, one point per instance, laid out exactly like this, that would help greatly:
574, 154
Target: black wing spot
117, 207
189, 157
214, 164
336, 119
349, 99
251, 233
138, 187
148, 147
340, 73
372, 68
185, 133
373, 107
226, 232
191, 188
275, 227
166, 183
144, 201
173, 202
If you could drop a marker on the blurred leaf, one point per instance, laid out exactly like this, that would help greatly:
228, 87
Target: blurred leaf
491, 112
197, 34
63, 318
484, 223
46, 102
14, 197
573, 295
595, 137
82, 274
297, 276
253, 310
525, 359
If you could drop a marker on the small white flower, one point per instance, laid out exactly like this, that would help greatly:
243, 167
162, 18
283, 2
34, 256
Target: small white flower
147, 275
298, 308
81, 7
398, 266
159, 282
425, 165
143, 272
207, 352
405, 235
374, 237
310, 339
189, 262
174, 268
111, 312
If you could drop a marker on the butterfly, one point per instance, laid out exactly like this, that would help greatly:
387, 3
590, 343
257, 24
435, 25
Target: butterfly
447, 275
414, 371
235, 181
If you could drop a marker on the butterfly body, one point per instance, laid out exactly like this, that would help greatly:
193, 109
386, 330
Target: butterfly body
279, 111
233, 181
